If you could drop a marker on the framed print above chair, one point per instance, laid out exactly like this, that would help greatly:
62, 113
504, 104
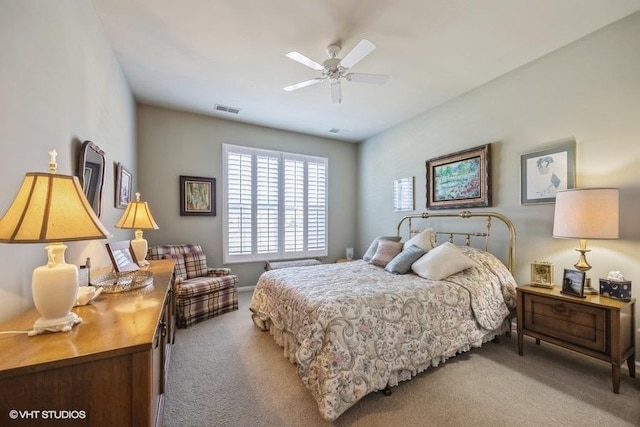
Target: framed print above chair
197, 196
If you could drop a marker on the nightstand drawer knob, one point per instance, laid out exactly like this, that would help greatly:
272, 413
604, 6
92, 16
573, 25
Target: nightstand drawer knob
559, 308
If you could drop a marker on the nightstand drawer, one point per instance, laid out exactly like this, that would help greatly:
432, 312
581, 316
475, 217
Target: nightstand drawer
577, 323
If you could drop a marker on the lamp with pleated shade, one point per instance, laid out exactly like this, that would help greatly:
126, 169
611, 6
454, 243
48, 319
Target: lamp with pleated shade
138, 217
52, 208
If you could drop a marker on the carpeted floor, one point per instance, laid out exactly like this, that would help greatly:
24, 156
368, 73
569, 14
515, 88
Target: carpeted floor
225, 372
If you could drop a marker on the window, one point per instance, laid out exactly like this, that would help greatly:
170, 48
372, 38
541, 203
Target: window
275, 205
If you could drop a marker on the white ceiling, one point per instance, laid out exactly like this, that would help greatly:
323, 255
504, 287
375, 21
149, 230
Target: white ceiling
193, 54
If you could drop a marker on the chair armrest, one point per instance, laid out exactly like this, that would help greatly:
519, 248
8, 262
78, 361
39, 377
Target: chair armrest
218, 272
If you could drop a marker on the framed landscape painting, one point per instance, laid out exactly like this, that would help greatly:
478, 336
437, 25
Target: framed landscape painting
459, 180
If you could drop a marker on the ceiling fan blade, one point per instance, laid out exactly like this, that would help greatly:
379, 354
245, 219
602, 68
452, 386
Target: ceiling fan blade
362, 49
304, 84
378, 79
296, 56
336, 92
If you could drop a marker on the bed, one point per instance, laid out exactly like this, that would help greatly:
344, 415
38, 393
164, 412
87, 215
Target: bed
354, 328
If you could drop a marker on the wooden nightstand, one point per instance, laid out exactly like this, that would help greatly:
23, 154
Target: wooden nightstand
597, 326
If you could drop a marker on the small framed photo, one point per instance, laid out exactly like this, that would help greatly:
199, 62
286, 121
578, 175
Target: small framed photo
542, 274
546, 172
573, 283
197, 196
124, 183
459, 180
122, 256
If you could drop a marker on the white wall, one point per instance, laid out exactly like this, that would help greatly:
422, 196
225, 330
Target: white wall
588, 90
172, 143
59, 85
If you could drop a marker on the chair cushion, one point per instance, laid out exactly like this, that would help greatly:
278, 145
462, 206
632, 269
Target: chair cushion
196, 264
203, 285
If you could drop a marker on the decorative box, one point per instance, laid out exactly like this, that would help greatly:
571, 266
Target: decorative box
616, 289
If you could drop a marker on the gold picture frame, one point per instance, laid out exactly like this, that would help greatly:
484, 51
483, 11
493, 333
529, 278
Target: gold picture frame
542, 274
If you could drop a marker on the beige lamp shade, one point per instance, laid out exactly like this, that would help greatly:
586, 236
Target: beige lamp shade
137, 216
587, 213
50, 208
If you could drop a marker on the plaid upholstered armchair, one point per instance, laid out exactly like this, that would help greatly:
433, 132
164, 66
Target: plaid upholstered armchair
201, 292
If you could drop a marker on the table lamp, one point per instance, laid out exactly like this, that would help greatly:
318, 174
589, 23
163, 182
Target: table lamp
51, 208
586, 213
138, 217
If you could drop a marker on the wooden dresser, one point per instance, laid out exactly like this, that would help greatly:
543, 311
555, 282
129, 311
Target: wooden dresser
597, 326
110, 370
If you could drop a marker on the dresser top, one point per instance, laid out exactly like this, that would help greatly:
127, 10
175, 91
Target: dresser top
112, 324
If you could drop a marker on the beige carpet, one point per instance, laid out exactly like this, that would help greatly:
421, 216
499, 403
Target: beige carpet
225, 372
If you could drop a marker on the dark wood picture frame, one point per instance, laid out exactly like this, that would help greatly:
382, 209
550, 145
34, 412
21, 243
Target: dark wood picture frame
544, 173
573, 283
124, 185
197, 196
122, 256
460, 179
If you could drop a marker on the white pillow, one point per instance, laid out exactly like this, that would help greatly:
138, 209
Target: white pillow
441, 262
425, 240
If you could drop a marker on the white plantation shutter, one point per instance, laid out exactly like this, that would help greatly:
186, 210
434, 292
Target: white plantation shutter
275, 205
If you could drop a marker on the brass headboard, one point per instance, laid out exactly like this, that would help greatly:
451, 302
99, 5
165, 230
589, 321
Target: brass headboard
468, 235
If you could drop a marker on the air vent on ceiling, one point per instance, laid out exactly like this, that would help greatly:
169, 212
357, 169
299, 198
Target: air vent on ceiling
336, 130
227, 109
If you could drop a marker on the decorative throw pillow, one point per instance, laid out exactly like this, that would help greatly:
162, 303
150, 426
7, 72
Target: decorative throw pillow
426, 240
401, 264
196, 264
441, 262
387, 250
374, 246
179, 269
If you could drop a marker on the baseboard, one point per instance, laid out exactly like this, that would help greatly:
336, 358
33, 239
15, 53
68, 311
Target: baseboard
246, 288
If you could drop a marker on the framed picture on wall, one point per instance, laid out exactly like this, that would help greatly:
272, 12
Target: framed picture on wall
197, 196
459, 180
124, 183
544, 173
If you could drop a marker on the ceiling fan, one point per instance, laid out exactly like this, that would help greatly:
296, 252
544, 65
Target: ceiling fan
335, 69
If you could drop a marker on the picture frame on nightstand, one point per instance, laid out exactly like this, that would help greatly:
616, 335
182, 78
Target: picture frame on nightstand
573, 283
542, 274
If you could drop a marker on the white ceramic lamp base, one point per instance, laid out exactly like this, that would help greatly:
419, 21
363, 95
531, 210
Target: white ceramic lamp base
54, 288
140, 246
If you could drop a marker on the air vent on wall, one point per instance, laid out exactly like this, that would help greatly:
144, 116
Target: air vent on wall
226, 109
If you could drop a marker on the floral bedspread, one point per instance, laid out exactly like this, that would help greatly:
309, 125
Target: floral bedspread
352, 328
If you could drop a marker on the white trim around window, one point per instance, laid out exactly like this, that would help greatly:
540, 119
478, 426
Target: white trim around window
274, 205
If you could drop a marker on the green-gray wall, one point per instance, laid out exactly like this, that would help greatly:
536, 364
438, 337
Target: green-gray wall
172, 143
588, 90
60, 84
